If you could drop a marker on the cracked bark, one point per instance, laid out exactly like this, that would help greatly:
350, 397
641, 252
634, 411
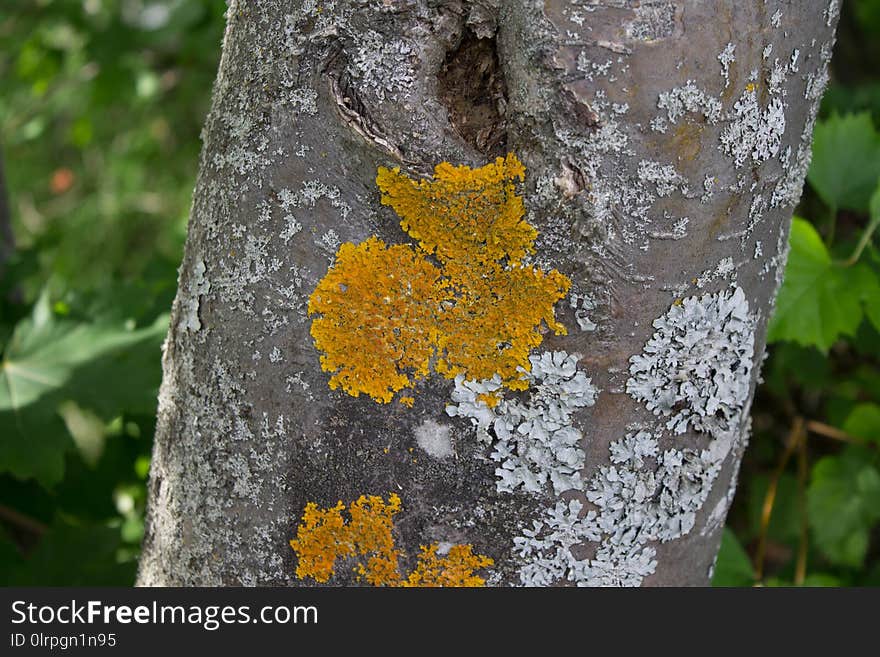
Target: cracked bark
309, 101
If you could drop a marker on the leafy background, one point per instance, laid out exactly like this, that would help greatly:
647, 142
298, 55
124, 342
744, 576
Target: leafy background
100, 112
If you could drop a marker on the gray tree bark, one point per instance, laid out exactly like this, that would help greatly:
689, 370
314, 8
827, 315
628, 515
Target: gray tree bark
665, 145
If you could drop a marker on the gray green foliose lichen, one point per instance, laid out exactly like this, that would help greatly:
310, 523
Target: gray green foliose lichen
534, 440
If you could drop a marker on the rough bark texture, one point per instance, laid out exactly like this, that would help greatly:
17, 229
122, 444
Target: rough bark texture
665, 144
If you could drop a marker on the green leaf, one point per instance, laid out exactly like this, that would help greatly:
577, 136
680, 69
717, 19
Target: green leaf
44, 351
733, 566
88, 492
872, 577
846, 161
818, 301
75, 555
822, 580
843, 503
32, 444
124, 379
791, 364
10, 558
868, 14
864, 96
50, 360
864, 422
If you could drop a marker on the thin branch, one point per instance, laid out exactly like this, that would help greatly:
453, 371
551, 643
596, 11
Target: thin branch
800, 568
863, 242
22, 521
794, 437
834, 433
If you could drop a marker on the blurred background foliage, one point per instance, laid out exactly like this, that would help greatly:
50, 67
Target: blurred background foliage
101, 104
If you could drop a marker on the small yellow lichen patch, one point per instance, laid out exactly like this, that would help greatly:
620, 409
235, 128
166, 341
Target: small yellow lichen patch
387, 313
489, 399
455, 569
325, 536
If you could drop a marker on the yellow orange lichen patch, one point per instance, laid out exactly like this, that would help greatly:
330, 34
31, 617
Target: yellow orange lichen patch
455, 569
489, 399
463, 215
492, 326
378, 306
387, 313
324, 536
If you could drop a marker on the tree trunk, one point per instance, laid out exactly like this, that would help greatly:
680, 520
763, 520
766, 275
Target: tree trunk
665, 145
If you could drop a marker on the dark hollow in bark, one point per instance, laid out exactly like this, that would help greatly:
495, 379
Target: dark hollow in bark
471, 86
